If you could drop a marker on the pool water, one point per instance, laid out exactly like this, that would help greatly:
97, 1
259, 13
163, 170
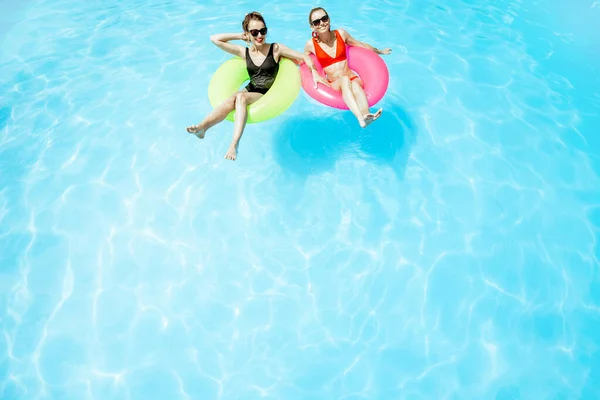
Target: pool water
448, 251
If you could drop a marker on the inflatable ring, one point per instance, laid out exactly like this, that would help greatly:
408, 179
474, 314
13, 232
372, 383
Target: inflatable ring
230, 76
368, 66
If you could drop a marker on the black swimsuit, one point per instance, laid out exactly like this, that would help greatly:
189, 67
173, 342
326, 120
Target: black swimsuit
261, 78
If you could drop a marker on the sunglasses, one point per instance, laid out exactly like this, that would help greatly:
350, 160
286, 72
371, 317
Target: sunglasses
255, 32
318, 21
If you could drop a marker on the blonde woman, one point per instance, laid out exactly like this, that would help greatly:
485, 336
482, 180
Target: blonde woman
329, 47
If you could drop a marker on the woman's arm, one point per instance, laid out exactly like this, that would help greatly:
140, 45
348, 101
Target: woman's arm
221, 41
295, 56
309, 49
353, 42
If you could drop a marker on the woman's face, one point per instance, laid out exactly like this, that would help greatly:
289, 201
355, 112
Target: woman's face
257, 32
319, 21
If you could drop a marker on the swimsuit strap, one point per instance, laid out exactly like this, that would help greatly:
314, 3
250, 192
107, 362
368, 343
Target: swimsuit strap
341, 46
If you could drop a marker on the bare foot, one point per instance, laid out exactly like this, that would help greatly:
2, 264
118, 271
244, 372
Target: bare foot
369, 118
197, 130
377, 114
231, 154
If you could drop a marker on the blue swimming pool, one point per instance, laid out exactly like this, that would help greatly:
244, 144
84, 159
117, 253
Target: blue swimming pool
448, 251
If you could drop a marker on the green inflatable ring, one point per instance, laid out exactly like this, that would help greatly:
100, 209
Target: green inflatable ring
230, 76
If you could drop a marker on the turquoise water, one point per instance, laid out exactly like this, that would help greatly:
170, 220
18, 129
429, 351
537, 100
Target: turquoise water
449, 251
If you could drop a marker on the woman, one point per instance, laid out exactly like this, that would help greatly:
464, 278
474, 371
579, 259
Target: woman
262, 62
330, 50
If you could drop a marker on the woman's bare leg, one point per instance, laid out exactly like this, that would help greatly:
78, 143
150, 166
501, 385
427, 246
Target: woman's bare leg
217, 115
363, 103
360, 96
242, 101
348, 95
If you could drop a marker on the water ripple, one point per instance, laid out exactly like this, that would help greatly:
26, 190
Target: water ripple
449, 250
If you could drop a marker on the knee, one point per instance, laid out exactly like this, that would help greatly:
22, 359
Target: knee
230, 102
240, 99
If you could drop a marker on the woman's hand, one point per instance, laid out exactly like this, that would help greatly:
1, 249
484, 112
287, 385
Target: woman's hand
245, 36
387, 50
319, 79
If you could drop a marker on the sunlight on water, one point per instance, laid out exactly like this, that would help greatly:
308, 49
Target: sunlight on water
448, 251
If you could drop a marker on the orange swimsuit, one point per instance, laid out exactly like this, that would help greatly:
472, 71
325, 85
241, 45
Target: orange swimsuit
340, 53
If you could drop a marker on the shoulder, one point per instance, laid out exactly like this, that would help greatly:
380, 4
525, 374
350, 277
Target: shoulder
309, 45
345, 35
278, 49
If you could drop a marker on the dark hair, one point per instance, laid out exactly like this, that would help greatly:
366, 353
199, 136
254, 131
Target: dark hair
312, 11
254, 15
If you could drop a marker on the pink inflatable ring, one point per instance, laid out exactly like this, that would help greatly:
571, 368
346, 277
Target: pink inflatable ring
368, 66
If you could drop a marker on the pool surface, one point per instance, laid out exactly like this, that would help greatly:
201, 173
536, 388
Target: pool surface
448, 251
